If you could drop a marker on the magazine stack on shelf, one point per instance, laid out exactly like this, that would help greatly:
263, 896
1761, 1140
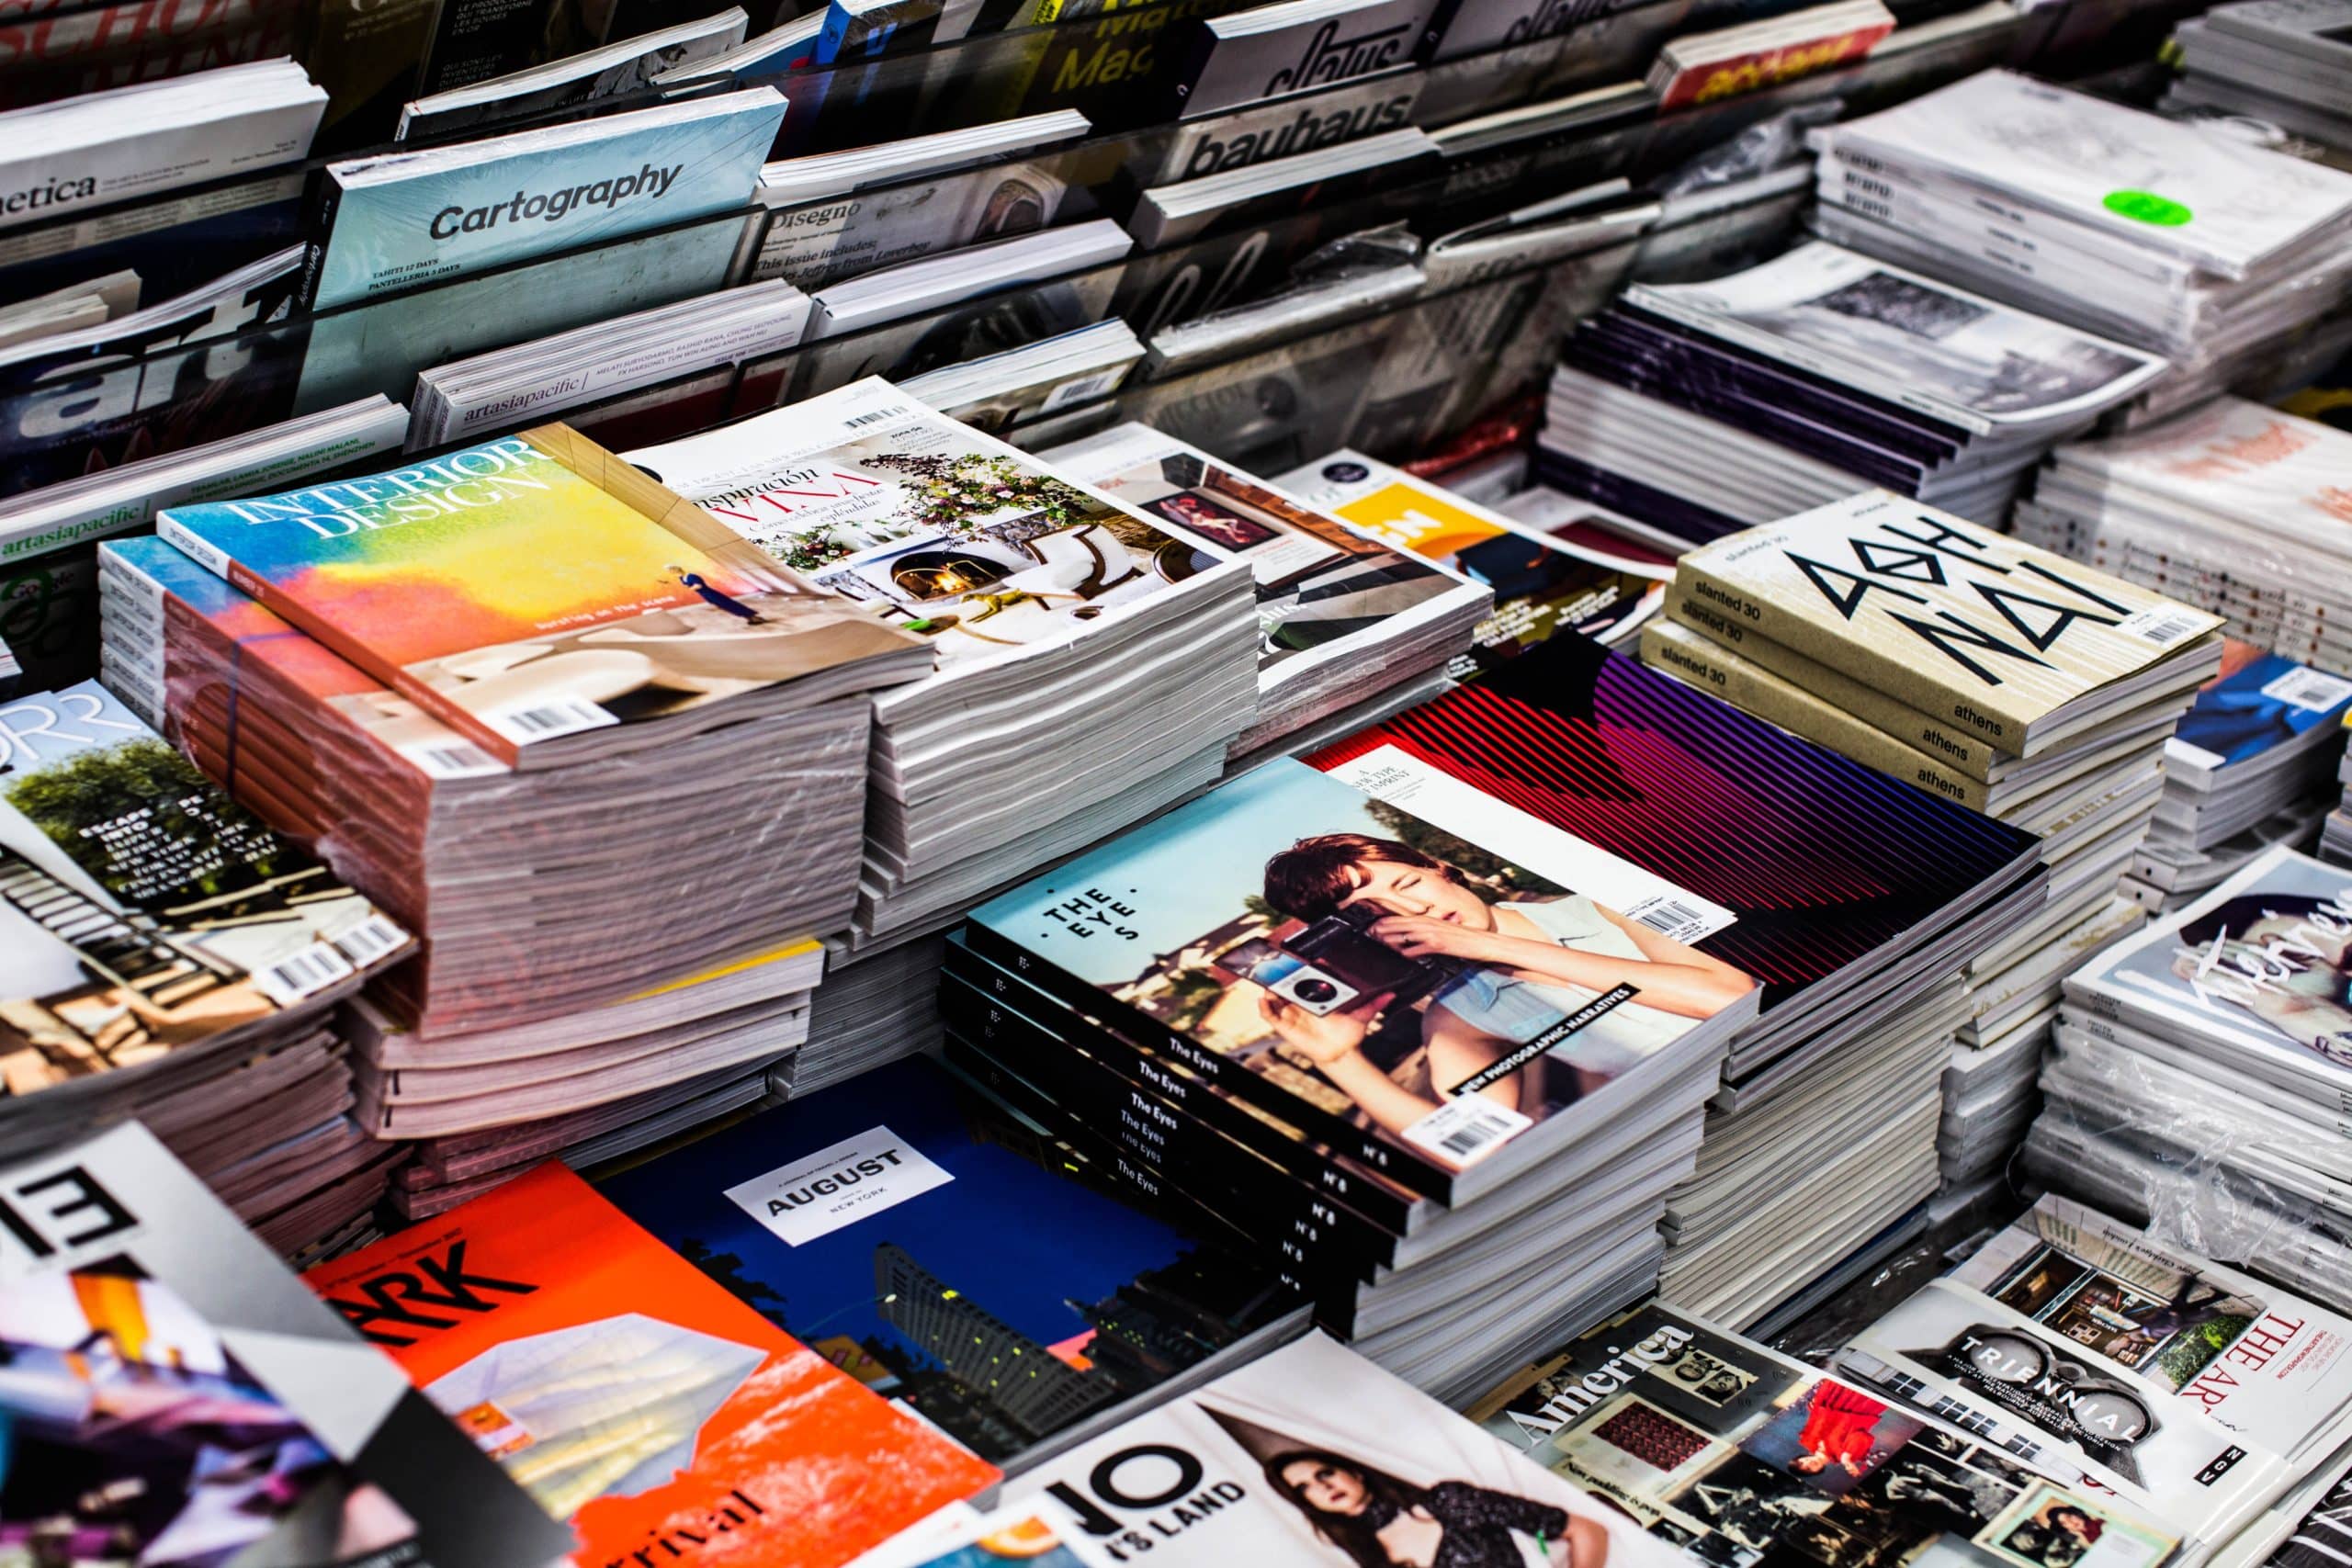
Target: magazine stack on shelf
2286, 62
1552, 805
174, 1395
839, 214
1345, 615
1727, 1448
169, 958
2186, 239
1702, 407
1090, 665
913, 288
999, 392
2193, 1392
479, 743
636, 1399
615, 70
466, 400
2214, 1042
2237, 508
2253, 764
957, 1260
1703, 67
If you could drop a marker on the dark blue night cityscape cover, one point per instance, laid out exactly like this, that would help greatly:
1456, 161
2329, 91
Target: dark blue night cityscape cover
905, 1228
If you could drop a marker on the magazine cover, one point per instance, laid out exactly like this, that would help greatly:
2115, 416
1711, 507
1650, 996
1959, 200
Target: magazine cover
2252, 1357
434, 579
141, 908
814, 243
648, 1405
2258, 705
2037, 1391
1739, 1455
2254, 973
2232, 463
1391, 948
926, 523
916, 1239
1542, 586
1893, 334
1809, 876
2214, 201
1955, 619
172, 1395
1312, 1455
402, 218
1321, 584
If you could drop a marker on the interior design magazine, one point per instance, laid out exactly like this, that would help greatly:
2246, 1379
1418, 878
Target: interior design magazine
434, 579
1311, 1455
643, 1402
170, 1394
1735, 1453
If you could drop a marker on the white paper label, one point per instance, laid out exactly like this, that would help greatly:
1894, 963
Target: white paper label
450, 759
838, 1185
1466, 1130
297, 975
547, 717
2311, 690
2164, 624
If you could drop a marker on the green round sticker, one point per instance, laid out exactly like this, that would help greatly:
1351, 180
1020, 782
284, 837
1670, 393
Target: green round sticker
2146, 207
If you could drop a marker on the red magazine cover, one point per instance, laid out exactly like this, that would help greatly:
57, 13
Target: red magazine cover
664, 1417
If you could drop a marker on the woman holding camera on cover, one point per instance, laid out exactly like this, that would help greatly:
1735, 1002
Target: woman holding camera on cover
1525, 965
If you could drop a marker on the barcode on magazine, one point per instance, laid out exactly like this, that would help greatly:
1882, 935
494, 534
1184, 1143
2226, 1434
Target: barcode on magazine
297, 976
370, 940
2310, 690
546, 719
451, 758
1672, 918
876, 417
1079, 389
2163, 625
1467, 1129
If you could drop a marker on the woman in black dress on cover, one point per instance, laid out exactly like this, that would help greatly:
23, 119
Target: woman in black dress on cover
1380, 1521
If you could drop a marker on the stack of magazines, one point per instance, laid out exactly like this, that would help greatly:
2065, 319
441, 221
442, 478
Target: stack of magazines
2253, 764
478, 742
2194, 1394
1346, 619
877, 1005
2202, 1064
1356, 958
2237, 508
1955, 658
1700, 407
167, 957
2286, 62
1091, 664
2186, 239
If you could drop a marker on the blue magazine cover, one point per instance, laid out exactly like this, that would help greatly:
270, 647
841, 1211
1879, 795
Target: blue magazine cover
409, 218
2258, 702
904, 1228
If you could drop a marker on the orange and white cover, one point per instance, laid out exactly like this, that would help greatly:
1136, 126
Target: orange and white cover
635, 1396
1747, 59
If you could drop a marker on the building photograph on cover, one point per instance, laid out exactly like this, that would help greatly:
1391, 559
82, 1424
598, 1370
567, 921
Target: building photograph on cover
977, 548
142, 908
1373, 963
129, 1434
1000, 1335
2166, 1325
1318, 582
2278, 957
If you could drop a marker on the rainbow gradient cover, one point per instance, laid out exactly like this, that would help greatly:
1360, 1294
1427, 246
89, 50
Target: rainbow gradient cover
524, 589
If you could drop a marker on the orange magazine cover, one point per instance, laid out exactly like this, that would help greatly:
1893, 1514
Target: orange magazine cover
633, 1395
